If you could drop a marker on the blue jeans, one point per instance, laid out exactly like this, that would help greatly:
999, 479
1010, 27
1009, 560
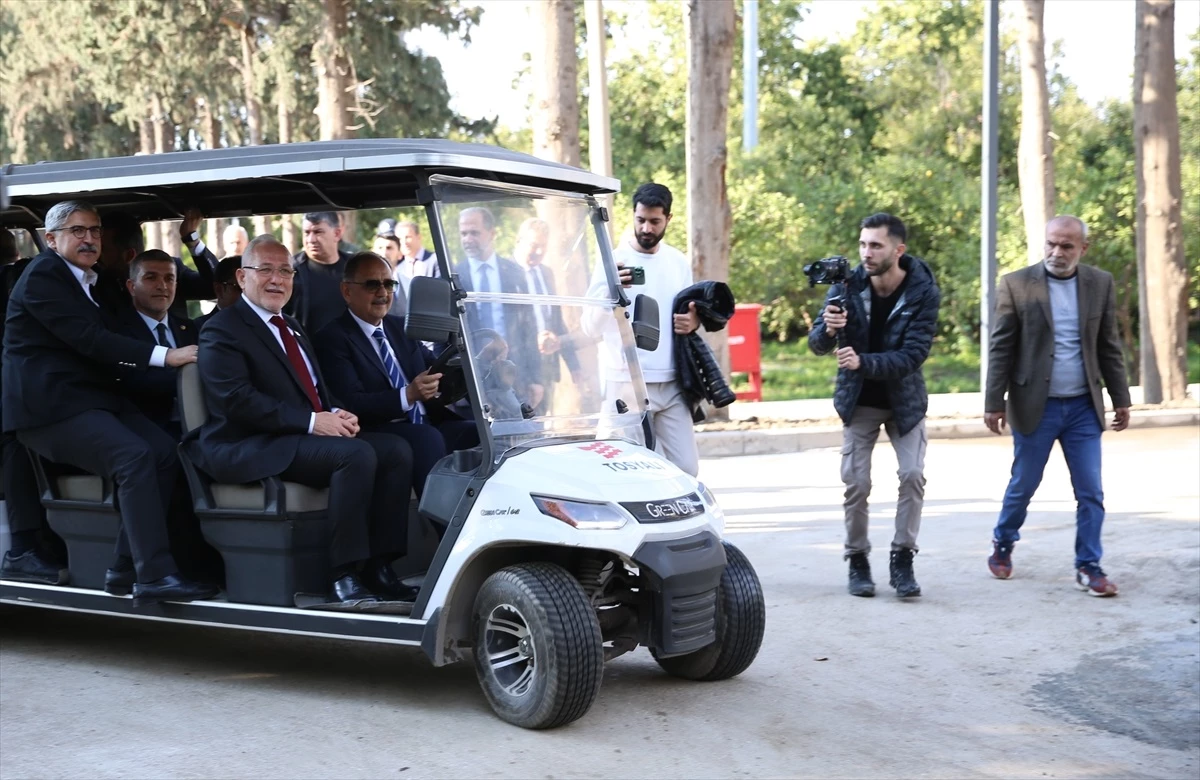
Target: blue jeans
1072, 422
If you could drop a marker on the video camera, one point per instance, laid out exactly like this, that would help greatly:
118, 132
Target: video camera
831, 270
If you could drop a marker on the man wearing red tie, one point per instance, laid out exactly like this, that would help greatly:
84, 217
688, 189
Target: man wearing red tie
272, 414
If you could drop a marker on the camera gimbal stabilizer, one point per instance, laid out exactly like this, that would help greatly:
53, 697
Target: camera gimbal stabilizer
831, 270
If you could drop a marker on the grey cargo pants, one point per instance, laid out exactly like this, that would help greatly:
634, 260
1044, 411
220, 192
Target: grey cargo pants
858, 443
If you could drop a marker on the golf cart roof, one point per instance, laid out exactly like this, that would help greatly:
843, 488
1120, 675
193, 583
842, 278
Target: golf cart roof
274, 179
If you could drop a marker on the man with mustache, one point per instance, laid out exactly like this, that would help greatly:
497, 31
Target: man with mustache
1054, 339
886, 330
60, 398
317, 295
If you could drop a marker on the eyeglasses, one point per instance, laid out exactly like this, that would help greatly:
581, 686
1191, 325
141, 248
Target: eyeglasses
79, 231
267, 271
373, 285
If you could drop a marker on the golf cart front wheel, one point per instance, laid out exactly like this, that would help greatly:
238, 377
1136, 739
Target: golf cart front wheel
539, 654
741, 622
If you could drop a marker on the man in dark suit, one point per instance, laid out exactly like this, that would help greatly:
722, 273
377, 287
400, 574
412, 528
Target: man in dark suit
484, 271
60, 398
553, 338
272, 414
317, 298
123, 241
225, 287
384, 376
152, 284
1054, 339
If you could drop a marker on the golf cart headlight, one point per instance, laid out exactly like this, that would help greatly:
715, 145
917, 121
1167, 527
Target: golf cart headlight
710, 502
584, 515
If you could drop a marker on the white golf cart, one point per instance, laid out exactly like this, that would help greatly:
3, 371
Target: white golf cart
559, 543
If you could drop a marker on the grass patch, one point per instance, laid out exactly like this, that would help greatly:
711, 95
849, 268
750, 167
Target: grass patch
791, 371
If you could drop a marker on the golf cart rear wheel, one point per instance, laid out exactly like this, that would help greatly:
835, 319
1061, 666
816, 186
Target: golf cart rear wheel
539, 655
741, 621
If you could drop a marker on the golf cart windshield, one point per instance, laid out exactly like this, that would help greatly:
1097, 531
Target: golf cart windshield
551, 348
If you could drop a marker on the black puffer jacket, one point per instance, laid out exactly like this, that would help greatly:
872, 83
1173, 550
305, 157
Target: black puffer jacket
907, 339
699, 375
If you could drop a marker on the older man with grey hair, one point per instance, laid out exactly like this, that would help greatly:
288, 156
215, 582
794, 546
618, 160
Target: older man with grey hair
60, 399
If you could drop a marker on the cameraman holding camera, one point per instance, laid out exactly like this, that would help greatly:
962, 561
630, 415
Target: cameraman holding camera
882, 337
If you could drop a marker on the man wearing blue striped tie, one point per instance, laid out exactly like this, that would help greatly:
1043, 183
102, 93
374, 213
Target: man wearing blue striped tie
383, 376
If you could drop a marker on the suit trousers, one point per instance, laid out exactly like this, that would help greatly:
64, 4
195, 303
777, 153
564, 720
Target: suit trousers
140, 458
858, 443
24, 505
430, 443
370, 481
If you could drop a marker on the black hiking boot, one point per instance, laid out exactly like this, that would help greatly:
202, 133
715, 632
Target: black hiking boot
861, 583
902, 573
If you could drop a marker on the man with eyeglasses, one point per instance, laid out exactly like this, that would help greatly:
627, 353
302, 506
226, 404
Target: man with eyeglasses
383, 375
271, 413
317, 294
60, 398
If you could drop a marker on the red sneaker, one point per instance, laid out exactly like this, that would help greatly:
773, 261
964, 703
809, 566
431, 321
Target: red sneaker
1092, 580
1000, 561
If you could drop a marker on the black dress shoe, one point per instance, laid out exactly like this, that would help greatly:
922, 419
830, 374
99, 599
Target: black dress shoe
382, 580
33, 566
349, 589
172, 587
119, 580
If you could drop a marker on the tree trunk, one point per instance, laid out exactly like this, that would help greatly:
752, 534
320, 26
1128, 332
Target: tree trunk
1036, 148
710, 27
599, 130
285, 100
1163, 278
555, 82
147, 136
254, 117
164, 141
210, 133
333, 72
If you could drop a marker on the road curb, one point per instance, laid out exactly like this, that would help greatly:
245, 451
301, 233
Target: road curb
775, 441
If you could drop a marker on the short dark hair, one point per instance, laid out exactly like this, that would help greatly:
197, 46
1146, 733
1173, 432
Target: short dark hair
357, 261
653, 195
227, 269
124, 232
149, 256
489, 219
330, 218
895, 227
390, 238
9, 253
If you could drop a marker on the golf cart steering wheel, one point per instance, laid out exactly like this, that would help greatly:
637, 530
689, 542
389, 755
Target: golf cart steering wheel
452, 387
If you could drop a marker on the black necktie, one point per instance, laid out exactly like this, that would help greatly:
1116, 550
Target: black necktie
162, 335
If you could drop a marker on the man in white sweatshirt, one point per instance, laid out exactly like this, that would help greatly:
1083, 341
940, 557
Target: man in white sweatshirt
668, 271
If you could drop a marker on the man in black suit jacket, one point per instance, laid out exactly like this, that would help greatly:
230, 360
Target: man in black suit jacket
59, 397
383, 375
225, 287
152, 284
272, 414
484, 271
317, 298
123, 241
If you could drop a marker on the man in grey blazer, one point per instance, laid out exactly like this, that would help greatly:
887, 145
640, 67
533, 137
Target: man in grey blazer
1054, 339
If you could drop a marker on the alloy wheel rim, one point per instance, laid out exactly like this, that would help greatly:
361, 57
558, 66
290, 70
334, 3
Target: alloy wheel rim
510, 651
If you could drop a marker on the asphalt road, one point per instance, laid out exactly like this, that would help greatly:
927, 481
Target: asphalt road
978, 678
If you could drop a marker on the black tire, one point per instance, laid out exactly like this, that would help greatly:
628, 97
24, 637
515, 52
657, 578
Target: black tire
553, 678
741, 622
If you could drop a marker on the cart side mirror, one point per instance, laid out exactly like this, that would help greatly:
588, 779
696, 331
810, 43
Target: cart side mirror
645, 323
430, 310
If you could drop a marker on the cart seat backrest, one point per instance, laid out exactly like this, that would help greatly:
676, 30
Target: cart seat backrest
193, 412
